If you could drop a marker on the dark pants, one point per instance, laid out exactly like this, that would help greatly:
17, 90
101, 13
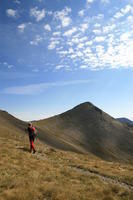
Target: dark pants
31, 139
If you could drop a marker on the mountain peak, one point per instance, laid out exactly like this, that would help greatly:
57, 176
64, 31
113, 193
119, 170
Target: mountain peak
87, 106
3, 112
84, 105
87, 103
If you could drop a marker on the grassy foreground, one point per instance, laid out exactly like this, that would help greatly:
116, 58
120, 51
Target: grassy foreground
51, 174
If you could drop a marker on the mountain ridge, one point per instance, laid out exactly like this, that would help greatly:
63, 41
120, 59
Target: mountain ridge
84, 129
125, 120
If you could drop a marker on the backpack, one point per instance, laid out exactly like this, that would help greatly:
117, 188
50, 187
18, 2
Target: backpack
34, 131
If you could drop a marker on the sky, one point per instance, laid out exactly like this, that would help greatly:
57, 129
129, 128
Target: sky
56, 54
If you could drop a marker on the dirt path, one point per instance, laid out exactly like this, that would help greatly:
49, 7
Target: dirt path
91, 172
105, 178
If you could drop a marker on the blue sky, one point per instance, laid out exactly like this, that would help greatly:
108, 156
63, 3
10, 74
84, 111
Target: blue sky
57, 54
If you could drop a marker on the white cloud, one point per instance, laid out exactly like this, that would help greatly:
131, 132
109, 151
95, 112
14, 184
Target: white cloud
90, 1
105, 1
73, 56
118, 15
37, 40
84, 27
62, 13
89, 43
10, 66
47, 27
92, 43
63, 16
59, 48
83, 39
50, 13
5, 63
122, 12
66, 21
70, 32
107, 29
12, 13
81, 13
130, 18
53, 44
70, 51
97, 31
75, 40
38, 14
97, 25
21, 27
17, 1
80, 46
87, 50
100, 50
125, 36
127, 9
99, 16
65, 67
34, 89
56, 33
105, 50
58, 67
79, 54
83, 67
99, 39
63, 53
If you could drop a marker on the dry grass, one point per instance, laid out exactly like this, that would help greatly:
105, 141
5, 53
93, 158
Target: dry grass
48, 176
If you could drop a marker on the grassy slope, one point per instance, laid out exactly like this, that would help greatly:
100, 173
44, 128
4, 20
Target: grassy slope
49, 175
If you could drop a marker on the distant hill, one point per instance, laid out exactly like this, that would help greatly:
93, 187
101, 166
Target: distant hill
125, 120
10, 124
86, 128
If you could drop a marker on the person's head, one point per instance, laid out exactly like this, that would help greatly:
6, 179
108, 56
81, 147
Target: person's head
30, 124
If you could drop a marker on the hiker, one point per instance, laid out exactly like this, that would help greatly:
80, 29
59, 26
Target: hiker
32, 134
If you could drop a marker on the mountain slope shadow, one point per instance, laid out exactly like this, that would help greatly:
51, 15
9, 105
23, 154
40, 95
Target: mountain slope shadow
87, 129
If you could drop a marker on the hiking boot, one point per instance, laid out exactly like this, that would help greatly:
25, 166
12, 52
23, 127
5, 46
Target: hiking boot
34, 151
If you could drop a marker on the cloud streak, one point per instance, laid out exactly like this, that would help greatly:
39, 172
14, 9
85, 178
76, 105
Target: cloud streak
35, 89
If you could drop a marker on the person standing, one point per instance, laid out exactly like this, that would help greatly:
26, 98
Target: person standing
32, 134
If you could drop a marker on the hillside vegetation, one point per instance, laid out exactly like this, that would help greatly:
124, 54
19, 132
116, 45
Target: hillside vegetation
52, 174
77, 169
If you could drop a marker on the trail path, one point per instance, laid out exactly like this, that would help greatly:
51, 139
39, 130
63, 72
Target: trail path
105, 178
92, 172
